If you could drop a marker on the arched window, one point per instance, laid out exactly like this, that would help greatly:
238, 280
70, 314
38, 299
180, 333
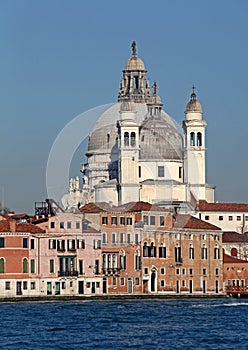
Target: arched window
104, 261
109, 261
2, 265
137, 260
145, 250
204, 252
191, 252
192, 139
133, 139
153, 250
122, 260
199, 139
126, 138
25, 265
114, 265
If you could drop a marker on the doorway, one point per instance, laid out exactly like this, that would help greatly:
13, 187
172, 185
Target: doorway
80, 287
18, 288
130, 285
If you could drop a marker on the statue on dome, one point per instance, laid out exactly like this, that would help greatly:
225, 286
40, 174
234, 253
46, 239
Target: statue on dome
134, 48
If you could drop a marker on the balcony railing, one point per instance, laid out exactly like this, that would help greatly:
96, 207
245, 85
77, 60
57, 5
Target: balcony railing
73, 273
110, 271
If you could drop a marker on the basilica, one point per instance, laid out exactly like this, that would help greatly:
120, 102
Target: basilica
136, 152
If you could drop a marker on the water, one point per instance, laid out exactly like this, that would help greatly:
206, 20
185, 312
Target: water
134, 324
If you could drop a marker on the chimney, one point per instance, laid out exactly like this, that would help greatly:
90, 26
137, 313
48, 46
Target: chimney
12, 225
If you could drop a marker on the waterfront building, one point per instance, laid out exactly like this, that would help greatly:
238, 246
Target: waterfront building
235, 275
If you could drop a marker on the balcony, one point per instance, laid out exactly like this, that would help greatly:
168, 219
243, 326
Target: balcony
235, 290
73, 273
110, 271
179, 262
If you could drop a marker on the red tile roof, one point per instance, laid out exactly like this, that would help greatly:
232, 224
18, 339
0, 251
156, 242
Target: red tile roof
234, 237
190, 222
127, 208
231, 259
202, 205
12, 226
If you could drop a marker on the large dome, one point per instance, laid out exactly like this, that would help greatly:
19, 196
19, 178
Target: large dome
134, 64
160, 133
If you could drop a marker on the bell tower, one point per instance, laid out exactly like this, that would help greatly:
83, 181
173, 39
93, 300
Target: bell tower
194, 148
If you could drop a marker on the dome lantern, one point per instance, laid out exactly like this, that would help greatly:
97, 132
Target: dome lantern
193, 109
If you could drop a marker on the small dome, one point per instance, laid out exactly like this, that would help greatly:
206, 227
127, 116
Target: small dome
134, 63
127, 106
193, 106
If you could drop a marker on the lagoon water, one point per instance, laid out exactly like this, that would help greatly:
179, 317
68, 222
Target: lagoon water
128, 324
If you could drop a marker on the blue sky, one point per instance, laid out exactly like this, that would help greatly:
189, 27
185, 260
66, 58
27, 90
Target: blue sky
60, 58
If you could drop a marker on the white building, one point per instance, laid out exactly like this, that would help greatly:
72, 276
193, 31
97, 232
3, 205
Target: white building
136, 152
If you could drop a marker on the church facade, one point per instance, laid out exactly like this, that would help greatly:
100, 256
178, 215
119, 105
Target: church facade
136, 152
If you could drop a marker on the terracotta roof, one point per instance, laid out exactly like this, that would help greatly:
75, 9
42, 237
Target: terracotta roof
190, 222
231, 259
128, 207
202, 205
234, 237
13, 226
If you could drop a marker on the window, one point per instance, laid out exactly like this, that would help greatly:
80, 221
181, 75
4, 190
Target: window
230, 218
129, 238
162, 252
152, 220
136, 238
81, 244
61, 225
122, 220
104, 220
68, 224
145, 250
190, 236
7, 285
71, 244
160, 171
137, 281
97, 284
97, 243
51, 266
199, 139
145, 219
122, 260
180, 172
178, 272
206, 217
88, 285
32, 266
133, 137
114, 281
2, 242
24, 243
216, 253
217, 272
113, 238
238, 218
178, 258
204, 253
97, 267
32, 243
52, 244
183, 271
121, 238
161, 220
52, 224
137, 260
126, 138
246, 218
191, 272
204, 272
162, 284
139, 171
220, 218
113, 220
63, 285
61, 245
129, 221
234, 252
162, 271
2, 265
32, 285
152, 251
191, 252
25, 285
122, 281
81, 267
204, 237
192, 139
146, 271
25, 265
183, 283
216, 238
78, 225
104, 238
